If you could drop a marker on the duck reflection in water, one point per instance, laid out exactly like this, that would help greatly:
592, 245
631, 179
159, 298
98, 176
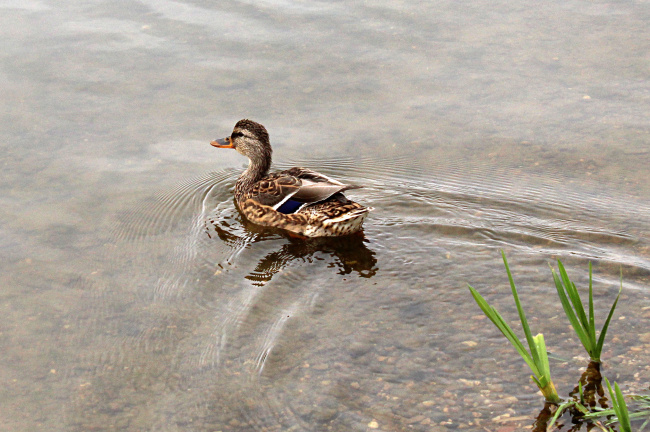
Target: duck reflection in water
349, 254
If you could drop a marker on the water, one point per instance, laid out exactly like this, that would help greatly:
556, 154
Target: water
134, 296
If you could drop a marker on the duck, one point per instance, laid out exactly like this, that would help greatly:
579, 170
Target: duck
298, 200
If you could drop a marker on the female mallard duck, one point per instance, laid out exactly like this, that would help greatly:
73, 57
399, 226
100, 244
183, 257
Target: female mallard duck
297, 200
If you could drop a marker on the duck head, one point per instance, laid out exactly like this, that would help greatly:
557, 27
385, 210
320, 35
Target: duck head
250, 139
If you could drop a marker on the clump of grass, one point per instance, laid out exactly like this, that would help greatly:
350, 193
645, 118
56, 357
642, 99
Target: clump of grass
537, 358
620, 407
569, 405
575, 311
581, 408
642, 410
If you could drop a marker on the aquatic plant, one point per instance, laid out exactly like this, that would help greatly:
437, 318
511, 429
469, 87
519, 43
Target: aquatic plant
642, 410
537, 358
575, 311
582, 405
569, 405
620, 408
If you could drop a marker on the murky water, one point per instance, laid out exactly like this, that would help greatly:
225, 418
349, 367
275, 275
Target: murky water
134, 296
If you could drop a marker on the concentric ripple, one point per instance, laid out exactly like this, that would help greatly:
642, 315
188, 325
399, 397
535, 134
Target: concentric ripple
250, 300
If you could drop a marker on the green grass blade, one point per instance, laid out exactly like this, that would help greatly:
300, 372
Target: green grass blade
603, 331
592, 322
584, 327
620, 407
547, 387
505, 329
623, 415
580, 407
542, 359
575, 298
537, 358
612, 397
592, 415
569, 312
520, 310
560, 410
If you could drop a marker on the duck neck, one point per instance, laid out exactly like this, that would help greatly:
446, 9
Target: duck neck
257, 169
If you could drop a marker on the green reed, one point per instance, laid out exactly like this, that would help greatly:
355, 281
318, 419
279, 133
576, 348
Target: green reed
537, 358
620, 407
642, 410
536, 355
584, 327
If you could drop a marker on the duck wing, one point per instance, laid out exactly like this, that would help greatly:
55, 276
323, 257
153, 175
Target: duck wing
314, 186
288, 191
274, 189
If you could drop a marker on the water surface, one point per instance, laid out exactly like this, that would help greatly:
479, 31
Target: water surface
134, 296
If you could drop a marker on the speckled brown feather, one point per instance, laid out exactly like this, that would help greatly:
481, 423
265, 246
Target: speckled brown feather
314, 220
272, 189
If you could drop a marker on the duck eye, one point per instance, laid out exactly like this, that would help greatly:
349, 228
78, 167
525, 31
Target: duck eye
236, 135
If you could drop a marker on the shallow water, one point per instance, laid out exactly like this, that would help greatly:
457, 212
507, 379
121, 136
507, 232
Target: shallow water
134, 296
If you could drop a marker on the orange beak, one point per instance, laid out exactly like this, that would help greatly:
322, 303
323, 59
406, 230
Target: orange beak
223, 143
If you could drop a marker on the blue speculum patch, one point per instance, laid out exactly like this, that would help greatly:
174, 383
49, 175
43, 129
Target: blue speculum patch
290, 206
